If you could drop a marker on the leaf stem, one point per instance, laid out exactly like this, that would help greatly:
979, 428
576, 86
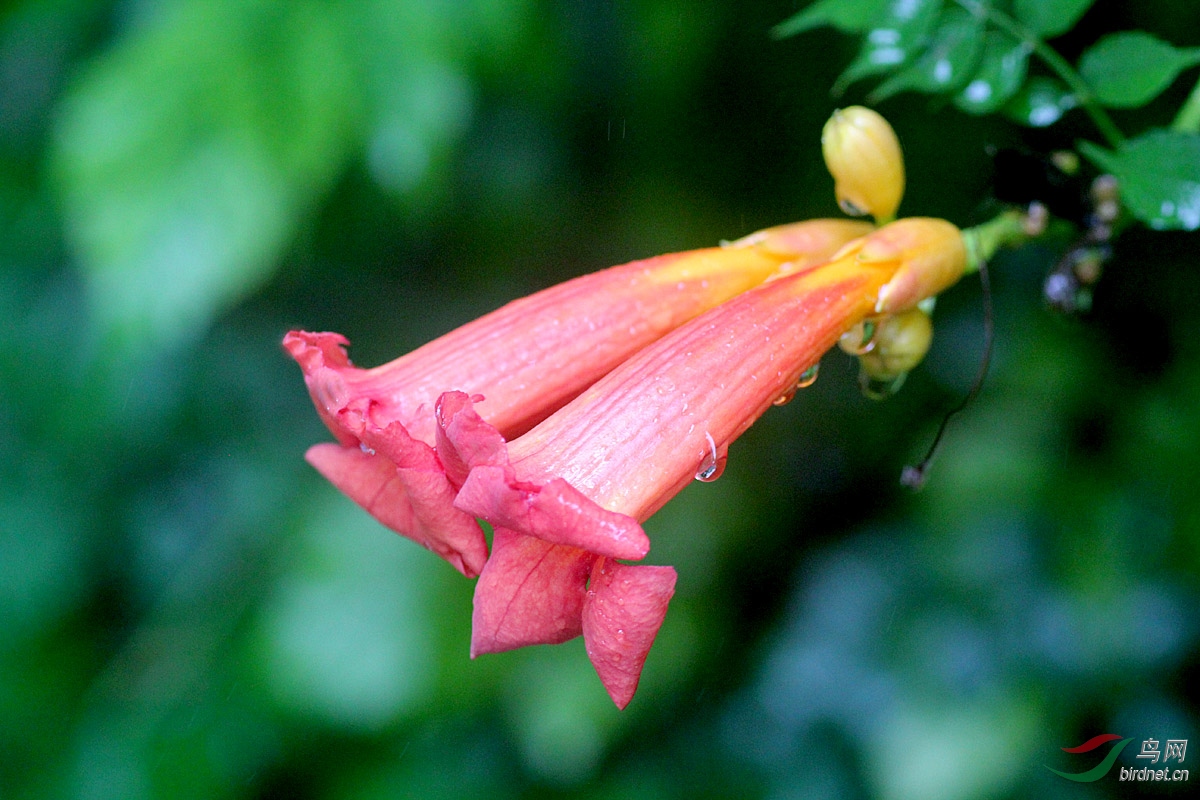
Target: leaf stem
1060, 66
1188, 118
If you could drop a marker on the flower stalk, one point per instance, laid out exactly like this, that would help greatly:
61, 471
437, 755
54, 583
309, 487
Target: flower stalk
1008, 229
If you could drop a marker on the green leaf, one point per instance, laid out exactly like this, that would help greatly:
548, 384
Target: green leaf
848, 16
1159, 176
1049, 18
1131, 68
952, 57
188, 154
897, 34
1041, 102
1001, 72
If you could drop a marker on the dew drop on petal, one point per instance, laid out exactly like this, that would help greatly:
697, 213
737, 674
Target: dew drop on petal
860, 339
851, 209
368, 450
808, 377
713, 463
784, 398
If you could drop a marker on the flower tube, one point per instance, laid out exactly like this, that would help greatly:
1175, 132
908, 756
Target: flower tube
520, 363
568, 497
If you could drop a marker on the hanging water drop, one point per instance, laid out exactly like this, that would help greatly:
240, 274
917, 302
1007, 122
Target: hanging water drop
860, 339
713, 463
785, 398
808, 377
851, 209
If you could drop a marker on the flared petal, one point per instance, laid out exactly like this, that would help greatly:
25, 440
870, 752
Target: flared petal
624, 608
550, 509
530, 592
415, 499
554, 511
322, 357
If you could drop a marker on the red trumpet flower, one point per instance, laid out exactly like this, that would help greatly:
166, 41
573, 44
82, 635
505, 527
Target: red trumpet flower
521, 363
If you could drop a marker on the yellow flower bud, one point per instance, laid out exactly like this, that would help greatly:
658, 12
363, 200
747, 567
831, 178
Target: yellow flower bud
899, 343
863, 155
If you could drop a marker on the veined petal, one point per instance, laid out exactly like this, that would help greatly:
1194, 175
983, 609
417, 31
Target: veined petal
521, 362
532, 355
551, 510
416, 500
530, 592
636, 437
624, 608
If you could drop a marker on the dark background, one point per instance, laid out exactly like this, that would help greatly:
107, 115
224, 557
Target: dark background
188, 610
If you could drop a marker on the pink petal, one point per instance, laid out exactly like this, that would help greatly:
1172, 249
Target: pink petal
624, 608
323, 358
464, 439
415, 500
530, 592
553, 511
550, 509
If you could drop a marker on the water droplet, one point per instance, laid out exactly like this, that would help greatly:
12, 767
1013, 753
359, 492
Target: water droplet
808, 377
368, 450
713, 463
785, 398
860, 339
620, 601
851, 209
620, 631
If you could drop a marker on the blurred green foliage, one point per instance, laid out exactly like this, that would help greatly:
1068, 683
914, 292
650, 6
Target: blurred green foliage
188, 610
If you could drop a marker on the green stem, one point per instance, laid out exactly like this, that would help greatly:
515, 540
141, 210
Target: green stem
1083, 92
1188, 118
982, 241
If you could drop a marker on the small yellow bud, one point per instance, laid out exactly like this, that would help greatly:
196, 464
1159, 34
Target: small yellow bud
899, 343
864, 158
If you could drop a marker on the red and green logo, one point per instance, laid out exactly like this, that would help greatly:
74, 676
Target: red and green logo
1100, 770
